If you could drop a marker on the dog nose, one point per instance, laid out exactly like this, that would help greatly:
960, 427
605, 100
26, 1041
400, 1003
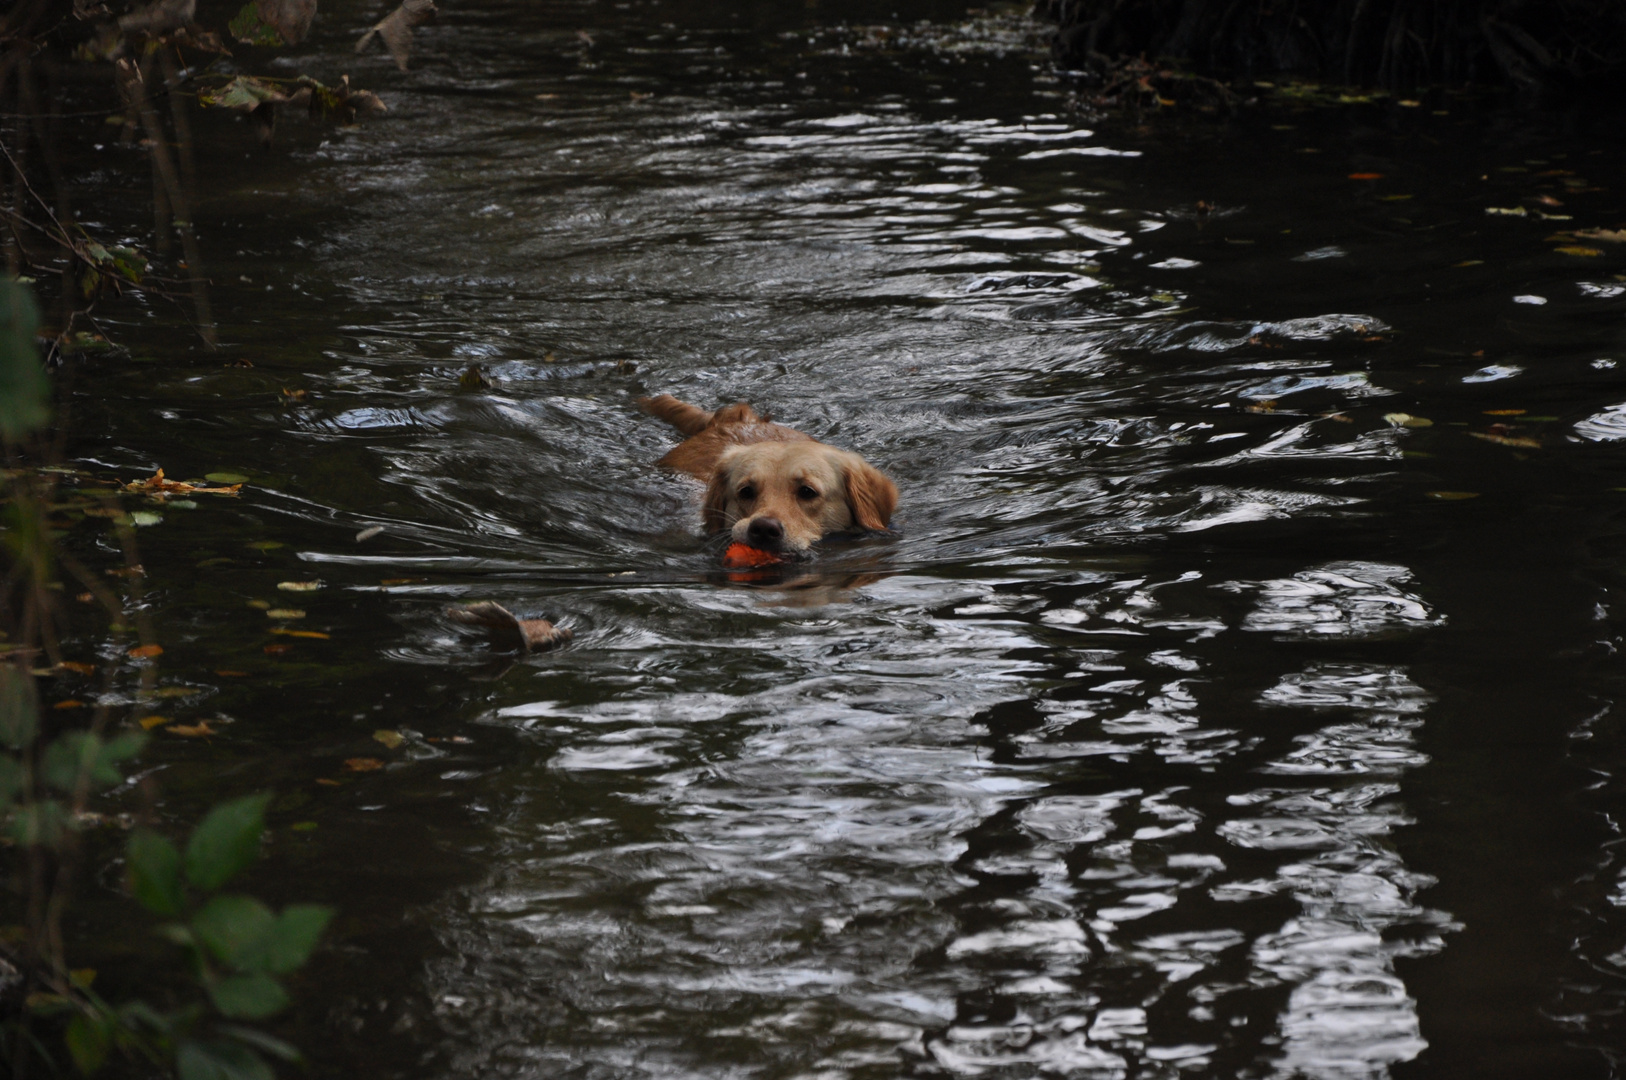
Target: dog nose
765, 532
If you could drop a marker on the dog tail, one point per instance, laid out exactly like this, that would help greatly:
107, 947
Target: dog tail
688, 419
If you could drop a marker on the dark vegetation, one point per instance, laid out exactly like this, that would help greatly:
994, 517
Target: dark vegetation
1555, 48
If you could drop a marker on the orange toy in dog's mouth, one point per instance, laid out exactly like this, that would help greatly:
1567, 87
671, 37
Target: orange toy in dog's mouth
739, 556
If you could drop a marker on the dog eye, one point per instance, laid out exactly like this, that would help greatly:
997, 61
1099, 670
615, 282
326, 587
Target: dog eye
748, 492
805, 492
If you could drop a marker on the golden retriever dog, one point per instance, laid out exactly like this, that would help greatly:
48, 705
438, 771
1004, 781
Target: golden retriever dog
771, 487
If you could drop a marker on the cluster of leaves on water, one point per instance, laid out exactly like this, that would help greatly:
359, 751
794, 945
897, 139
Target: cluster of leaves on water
234, 950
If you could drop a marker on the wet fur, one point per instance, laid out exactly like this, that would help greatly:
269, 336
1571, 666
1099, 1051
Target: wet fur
735, 449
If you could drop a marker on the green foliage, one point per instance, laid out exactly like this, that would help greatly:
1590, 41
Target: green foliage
25, 392
19, 711
226, 843
155, 873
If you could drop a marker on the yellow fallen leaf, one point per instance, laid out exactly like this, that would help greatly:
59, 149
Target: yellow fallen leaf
285, 613
200, 730
263, 605
1576, 249
1400, 419
299, 586
1505, 412
362, 764
146, 652
71, 703
1506, 211
391, 739
1608, 236
315, 634
1507, 440
149, 722
76, 666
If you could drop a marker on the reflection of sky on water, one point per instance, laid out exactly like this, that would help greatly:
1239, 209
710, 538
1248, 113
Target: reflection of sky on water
807, 871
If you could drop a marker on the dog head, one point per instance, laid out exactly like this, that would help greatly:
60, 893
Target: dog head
784, 496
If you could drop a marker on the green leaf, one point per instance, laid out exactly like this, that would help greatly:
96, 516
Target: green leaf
83, 754
261, 1041
155, 873
295, 935
25, 392
217, 1059
12, 779
19, 713
226, 842
87, 1041
248, 997
39, 823
237, 929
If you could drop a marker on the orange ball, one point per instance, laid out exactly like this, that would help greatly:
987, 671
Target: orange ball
739, 555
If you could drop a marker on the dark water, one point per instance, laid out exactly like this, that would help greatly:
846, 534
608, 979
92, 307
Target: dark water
1195, 723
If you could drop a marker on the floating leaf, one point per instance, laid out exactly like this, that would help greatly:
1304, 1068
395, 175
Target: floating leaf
200, 730
285, 613
391, 739
157, 485
1608, 236
145, 518
266, 545
1578, 251
362, 764
262, 605
1400, 419
78, 666
1507, 440
247, 27
303, 826
315, 635
71, 703
1452, 496
1507, 211
1366, 176
237, 479
149, 722
299, 586
1504, 412
277, 650
146, 652
369, 532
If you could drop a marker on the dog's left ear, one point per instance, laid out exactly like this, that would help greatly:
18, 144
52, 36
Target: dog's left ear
870, 495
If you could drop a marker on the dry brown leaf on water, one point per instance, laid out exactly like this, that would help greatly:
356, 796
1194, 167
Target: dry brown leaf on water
507, 630
1608, 236
146, 652
71, 703
390, 739
277, 650
284, 613
157, 485
395, 29
1452, 496
78, 667
199, 730
362, 764
1577, 250
325, 782
1505, 412
290, 18
315, 635
149, 722
1507, 440
299, 586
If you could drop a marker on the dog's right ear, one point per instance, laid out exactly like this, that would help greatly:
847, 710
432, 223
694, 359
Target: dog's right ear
714, 508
